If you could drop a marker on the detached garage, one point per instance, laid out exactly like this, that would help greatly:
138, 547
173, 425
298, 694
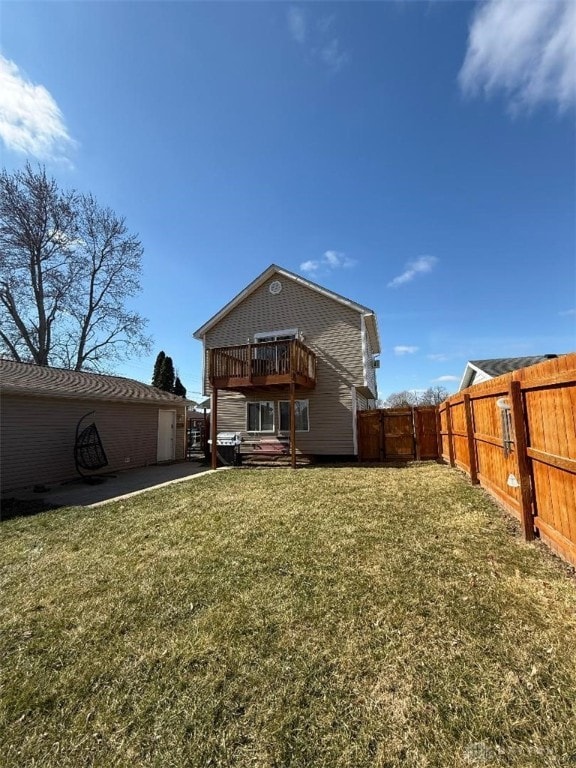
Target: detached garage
40, 409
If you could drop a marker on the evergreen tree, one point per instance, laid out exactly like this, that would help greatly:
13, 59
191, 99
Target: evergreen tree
179, 388
167, 375
157, 369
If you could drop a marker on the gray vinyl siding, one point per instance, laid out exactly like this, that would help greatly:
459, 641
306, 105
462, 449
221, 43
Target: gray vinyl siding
362, 403
331, 329
37, 437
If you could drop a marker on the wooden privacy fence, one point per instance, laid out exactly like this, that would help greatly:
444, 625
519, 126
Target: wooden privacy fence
516, 436
397, 434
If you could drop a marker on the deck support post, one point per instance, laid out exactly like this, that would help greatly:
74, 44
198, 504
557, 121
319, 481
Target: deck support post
293, 425
214, 427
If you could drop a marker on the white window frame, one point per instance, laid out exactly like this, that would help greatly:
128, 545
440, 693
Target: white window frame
286, 335
259, 403
299, 400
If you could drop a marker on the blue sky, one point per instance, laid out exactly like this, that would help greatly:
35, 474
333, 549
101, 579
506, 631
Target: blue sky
417, 157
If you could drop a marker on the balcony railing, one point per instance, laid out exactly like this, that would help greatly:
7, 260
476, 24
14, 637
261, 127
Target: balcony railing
270, 363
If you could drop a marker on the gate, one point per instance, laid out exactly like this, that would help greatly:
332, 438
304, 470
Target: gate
397, 434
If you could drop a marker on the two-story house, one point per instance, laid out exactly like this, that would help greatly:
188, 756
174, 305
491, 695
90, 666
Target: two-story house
287, 358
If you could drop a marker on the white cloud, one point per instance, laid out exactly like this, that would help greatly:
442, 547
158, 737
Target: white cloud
567, 312
30, 120
333, 56
440, 357
405, 350
336, 259
310, 266
447, 378
297, 24
322, 44
421, 265
526, 49
332, 258
330, 261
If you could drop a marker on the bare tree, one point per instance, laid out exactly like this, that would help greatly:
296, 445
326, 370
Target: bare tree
412, 398
37, 224
404, 399
67, 268
434, 396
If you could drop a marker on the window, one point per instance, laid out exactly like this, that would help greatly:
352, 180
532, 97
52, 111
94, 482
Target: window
260, 416
291, 333
301, 413
271, 353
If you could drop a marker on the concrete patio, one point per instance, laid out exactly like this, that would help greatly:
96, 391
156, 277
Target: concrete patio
121, 484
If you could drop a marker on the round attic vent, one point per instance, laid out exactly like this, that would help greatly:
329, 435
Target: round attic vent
275, 287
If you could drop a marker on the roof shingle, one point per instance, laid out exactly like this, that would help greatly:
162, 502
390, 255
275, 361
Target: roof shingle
500, 365
36, 380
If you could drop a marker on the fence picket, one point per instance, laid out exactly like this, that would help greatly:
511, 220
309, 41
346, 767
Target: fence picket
537, 480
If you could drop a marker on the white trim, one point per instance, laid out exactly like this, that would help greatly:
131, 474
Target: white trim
364, 349
298, 400
267, 334
204, 379
468, 373
372, 327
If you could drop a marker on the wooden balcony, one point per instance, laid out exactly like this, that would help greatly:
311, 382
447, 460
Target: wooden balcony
269, 364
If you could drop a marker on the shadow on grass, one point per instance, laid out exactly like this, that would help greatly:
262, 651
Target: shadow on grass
316, 462
12, 508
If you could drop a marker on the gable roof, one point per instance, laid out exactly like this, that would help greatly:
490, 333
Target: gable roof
368, 314
498, 365
41, 381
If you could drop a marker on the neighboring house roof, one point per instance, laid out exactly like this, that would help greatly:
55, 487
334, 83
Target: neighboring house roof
41, 381
497, 366
368, 314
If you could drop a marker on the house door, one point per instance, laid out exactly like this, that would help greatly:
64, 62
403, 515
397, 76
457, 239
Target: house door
166, 435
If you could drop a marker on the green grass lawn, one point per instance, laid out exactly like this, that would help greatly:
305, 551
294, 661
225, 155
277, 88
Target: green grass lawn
325, 617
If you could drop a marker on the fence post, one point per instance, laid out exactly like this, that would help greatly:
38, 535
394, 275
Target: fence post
439, 442
449, 430
417, 425
526, 514
471, 441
